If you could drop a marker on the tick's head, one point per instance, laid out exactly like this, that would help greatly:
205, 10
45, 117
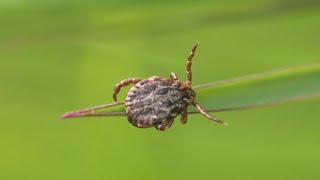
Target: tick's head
190, 95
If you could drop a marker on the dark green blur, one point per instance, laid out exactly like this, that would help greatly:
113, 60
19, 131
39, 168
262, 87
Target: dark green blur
57, 56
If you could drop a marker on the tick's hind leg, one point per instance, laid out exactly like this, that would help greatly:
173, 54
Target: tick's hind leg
184, 116
165, 125
124, 83
203, 112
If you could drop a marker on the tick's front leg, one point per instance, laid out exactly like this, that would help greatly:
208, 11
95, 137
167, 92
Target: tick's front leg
124, 83
165, 125
203, 112
189, 63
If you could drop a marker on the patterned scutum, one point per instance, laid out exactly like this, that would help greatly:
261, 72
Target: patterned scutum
155, 100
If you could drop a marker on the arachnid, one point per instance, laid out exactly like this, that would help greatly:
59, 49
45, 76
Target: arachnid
156, 101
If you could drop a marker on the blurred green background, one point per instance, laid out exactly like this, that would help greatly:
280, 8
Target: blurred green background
57, 56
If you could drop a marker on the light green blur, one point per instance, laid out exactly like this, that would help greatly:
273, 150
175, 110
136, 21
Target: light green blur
57, 56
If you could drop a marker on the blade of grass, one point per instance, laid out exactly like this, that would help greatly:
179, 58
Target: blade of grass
257, 90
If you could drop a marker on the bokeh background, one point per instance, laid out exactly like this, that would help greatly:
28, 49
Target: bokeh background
57, 56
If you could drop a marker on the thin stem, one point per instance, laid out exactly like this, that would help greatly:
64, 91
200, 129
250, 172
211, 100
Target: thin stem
92, 111
253, 76
259, 104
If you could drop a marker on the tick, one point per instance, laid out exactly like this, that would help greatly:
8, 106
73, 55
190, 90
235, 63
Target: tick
156, 102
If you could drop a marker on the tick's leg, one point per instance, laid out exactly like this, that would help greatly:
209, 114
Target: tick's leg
174, 76
165, 125
184, 116
124, 83
203, 112
189, 63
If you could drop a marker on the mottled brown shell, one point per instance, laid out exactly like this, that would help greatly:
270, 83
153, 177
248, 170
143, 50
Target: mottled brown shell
155, 100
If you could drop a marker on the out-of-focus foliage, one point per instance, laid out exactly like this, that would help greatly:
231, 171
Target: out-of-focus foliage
57, 56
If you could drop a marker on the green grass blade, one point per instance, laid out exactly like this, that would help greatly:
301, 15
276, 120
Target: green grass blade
261, 89
251, 91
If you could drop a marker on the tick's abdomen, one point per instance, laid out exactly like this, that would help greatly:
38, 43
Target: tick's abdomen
155, 100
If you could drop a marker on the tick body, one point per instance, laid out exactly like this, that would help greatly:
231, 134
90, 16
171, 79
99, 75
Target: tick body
156, 102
